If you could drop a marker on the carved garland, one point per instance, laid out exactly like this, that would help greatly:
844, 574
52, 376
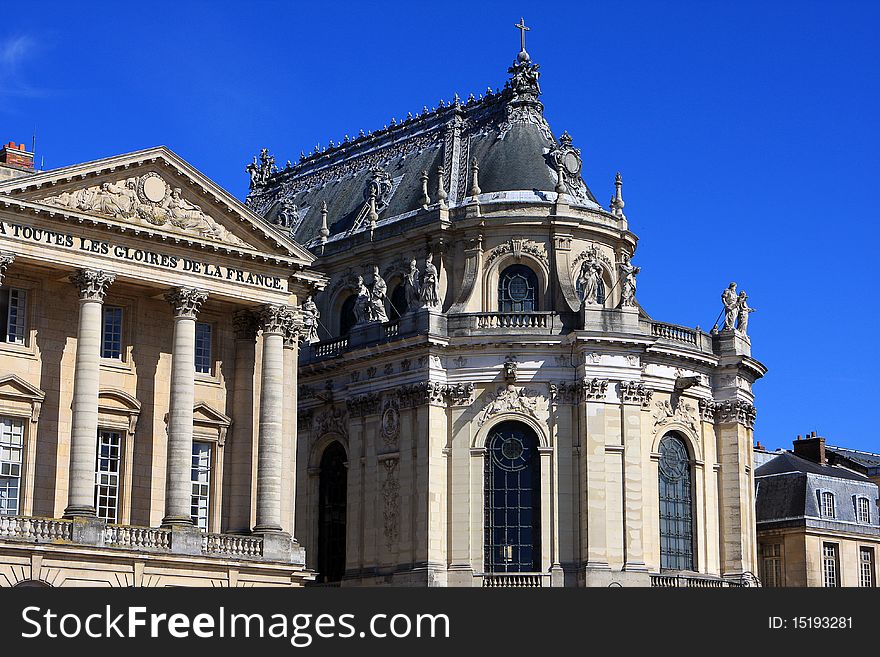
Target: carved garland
682, 412
391, 500
513, 400
519, 246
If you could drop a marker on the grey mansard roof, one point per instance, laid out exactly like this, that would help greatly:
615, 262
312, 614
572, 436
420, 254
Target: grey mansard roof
505, 132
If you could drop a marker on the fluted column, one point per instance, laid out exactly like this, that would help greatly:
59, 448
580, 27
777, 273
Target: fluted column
275, 320
92, 285
289, 430
185, 303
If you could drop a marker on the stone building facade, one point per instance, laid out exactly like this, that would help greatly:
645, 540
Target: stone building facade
147, 380
483, 401
817, 517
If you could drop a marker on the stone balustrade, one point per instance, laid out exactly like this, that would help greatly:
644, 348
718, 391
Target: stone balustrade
515, 580
233, 545
692, 582
673, 332
35, 530
139, 538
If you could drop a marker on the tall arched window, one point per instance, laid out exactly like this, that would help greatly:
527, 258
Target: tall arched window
347, 317
517, 290
398, 302
676, 506
332, 495
513, 497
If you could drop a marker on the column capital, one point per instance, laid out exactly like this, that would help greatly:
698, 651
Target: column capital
6, 258
186, 301
244, 325
92, 283
275, 318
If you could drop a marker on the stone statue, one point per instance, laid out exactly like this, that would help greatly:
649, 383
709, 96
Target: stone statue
377, 298
731, 306
310, 317
262, 171
743, 311
591, 276
429, 294
288, 215
627, 281
362, 303
411, 286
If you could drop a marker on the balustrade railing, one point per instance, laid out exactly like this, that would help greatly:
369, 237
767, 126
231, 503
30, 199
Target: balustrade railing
232, 545
329, 348
515, 580
532, 320
139, 538
38, 530
691, 582
673, 332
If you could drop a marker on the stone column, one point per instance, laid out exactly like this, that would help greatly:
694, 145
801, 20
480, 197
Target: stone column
632, 397
275, 320
289, 432
186, 303
92, 286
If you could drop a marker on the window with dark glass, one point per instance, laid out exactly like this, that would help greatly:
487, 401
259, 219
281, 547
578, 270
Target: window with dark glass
513, 497
347, 317
517, 290
332, 499
107, 475
13, 303
866, 567
830, 565
204, 359
398, 302
771, 555
111, 333
676, 506
11, 451
200, 502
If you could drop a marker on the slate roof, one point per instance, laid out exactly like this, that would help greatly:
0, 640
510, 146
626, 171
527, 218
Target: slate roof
867, 460
504, 131
788, 462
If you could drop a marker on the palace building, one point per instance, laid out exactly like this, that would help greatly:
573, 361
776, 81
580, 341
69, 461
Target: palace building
147, 380
482, 399
414, 357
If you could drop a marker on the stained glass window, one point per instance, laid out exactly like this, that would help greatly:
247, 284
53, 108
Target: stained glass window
517, 290
676, 506
513, 495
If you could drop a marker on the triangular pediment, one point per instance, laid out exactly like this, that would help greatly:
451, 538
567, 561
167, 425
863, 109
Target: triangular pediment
14, 387
156, 192
204, 414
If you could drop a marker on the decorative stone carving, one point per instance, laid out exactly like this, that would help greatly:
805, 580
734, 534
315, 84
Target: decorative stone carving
682, 412
517, 246
627, 281
332, 420
742, 313
244, 325
363, 405
592, 357
390, 423
186, 301
261, 171
412, 286
731, 306
708, 408
310, 317
634, 392
735, 410
275, 318
566, 161
371, 372
146, 199
461, 394
6, 259
590, 279
92, 283
379, 187
429, 293
593, 389
391, 503
362, 304
617, 200
304, 418
513, 400
288, 215
378, 294
510, 368
564, 393
389, 369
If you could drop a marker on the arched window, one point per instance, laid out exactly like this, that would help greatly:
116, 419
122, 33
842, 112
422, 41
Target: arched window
398, 302
347, 317
517, 290
676, 506
332, 496
513, 497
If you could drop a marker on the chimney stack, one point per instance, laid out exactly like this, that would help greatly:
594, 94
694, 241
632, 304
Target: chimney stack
811, 447
16, 156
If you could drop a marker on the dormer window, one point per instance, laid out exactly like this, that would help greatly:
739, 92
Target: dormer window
827, 499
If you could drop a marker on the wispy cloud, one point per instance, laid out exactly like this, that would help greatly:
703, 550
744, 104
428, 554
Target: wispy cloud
15, 52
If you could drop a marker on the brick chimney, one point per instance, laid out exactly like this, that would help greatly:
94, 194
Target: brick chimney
811, 447
16, 156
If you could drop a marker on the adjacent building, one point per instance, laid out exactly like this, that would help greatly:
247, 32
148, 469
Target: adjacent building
147, 379
817, 519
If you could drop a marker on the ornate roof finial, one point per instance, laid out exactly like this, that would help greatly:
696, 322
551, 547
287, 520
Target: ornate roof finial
475, 173
441, 192
617, 200
523, 56
325, 231
426, 200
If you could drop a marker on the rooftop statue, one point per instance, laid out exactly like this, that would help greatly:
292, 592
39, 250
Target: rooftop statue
430, 285
627, 280
731, 306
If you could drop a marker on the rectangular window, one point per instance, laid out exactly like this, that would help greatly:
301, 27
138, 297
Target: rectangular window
107, 475
866, 567
772, 558
827, 504
830, 565
204, 362
11, 448
201, 484
111, 333
863, 507
13, 307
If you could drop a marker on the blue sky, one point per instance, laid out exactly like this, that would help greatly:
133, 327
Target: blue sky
746, 134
